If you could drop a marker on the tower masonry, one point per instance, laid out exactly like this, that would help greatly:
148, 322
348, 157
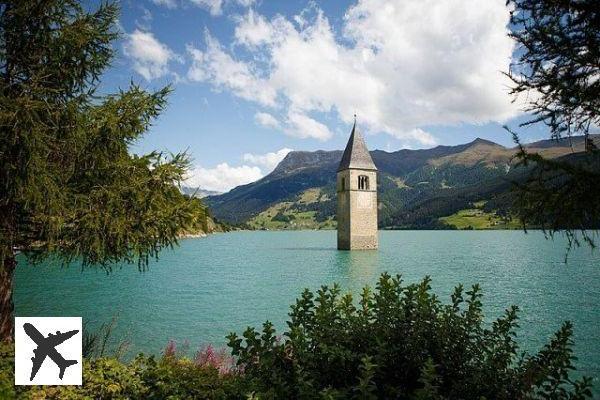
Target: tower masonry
356, 197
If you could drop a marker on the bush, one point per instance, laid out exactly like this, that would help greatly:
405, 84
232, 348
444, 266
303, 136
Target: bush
402, 342
144, 378
104, 378
181, 378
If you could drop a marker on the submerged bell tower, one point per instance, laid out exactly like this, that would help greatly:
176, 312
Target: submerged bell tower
356, 196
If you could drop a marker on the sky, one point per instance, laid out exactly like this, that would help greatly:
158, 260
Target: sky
255, 79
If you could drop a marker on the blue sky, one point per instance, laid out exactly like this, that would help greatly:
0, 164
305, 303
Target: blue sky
253, 79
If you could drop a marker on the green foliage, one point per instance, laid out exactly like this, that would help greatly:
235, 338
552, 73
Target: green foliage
143, 378
477, 218
68, 184
182, 378
281, 217
558, 57
402, 342
561, 195
7, 371
558, 60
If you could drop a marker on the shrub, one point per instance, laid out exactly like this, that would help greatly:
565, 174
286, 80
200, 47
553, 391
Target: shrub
7, 365
103, 378
402, 342
144, 378
182, 378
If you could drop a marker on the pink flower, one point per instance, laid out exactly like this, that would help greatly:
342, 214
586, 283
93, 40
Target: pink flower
219, 359
170, 350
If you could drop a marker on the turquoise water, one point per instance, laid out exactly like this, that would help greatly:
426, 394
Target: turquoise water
207, 287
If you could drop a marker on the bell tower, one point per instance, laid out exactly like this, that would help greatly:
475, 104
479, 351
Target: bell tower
356, 196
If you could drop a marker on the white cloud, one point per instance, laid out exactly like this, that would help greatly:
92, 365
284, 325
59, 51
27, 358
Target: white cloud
445, 71
267, 161
167, 3
219, 68
150, 57
302, 126
215, 7
400, 65
253, 29
223, 177
417, 134
145, 20
267, 120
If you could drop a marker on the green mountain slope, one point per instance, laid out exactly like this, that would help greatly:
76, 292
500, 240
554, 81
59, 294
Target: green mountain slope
416, 187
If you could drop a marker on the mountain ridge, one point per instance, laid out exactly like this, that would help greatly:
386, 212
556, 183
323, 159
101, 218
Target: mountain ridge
408, 179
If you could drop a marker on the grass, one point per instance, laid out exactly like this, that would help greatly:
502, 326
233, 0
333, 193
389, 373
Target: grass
310, 196
476, 218
297, 219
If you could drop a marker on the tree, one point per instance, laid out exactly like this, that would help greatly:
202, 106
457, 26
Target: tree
69, 187
558, 67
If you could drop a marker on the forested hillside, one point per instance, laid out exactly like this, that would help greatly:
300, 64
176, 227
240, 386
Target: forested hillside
417, 188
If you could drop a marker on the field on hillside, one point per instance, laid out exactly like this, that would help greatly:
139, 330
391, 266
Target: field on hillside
290, 215
476, 218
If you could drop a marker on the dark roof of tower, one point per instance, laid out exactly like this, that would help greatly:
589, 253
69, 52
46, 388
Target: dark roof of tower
356, 155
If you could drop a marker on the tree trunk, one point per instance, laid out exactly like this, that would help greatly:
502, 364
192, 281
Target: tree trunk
7, 323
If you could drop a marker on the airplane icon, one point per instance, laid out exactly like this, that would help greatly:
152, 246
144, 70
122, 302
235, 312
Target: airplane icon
46, 347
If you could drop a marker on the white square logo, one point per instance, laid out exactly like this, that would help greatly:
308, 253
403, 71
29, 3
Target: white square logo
48, 350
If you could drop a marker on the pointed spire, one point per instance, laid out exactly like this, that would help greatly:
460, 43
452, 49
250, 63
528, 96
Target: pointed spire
356, 155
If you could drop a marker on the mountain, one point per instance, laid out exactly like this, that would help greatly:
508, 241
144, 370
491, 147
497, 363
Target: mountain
416, 188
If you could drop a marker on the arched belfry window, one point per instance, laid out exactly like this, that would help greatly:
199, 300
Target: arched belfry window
363, 182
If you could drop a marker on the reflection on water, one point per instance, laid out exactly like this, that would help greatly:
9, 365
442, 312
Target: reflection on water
326, 249
357, 266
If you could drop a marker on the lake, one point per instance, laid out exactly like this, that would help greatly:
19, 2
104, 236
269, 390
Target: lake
208, 287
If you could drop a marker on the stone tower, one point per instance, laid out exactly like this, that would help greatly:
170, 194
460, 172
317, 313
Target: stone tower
357, 196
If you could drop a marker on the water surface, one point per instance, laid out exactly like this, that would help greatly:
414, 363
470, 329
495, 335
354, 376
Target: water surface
210, 286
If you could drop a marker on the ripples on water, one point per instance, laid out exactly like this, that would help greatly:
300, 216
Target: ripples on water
210, 286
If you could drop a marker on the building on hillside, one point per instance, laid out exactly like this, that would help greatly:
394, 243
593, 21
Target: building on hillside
356, 197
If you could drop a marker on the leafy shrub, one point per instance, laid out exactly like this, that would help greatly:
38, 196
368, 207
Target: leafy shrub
402, 342
144, 378
104, 378
7, 376
181, 378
